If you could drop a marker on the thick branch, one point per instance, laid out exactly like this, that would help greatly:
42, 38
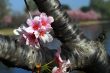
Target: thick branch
84, 54
13, 53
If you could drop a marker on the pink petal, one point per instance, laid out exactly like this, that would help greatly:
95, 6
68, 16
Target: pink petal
30, 39
58, 58
36, 33
43, 16
48, 27
50, 19
29, 22
37, 19
29, 30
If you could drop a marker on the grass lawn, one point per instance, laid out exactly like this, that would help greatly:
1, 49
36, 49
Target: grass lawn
6, 31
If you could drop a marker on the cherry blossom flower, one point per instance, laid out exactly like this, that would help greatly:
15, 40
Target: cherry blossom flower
42, 25
27, 36
31, 39
63, 68
41, 22
46, 38
62, 64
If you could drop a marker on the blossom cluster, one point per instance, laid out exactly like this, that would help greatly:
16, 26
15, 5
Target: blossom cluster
38, 30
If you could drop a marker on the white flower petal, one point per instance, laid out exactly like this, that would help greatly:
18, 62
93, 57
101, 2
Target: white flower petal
27, 42
68, 62
16, 32
50, 38
29, 22
36, 19
23, 27
36, 34
43, 38
37, 46
29, 30
54, 69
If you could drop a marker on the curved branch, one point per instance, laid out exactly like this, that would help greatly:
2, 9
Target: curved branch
15, 54
86, 55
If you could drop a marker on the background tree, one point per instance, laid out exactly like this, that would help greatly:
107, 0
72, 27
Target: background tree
65, 7
4, 8
102, 6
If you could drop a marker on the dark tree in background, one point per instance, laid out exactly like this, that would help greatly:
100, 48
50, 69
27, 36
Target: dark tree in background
102, 6
4, 8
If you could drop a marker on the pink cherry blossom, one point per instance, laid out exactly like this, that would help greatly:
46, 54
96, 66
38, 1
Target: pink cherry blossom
41, 22
46, 38
62, 68
30, 39
62, 64
27, 36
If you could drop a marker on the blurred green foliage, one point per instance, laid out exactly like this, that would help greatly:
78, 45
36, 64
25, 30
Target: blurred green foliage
4, 8
102, 6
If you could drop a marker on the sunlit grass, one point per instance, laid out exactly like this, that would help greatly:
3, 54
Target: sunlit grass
6, 31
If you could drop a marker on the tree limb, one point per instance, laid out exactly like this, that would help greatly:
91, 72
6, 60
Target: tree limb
15, 54
86, 55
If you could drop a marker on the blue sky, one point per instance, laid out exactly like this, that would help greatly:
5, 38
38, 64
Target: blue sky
18, 5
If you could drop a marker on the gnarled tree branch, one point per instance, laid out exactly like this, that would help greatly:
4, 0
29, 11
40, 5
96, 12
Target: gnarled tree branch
15, 54
86, 55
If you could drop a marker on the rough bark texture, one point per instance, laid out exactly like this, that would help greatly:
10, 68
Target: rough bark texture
85, 55
14, 53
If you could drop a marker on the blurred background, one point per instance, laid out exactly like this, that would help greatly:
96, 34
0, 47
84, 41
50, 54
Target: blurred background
92, 16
